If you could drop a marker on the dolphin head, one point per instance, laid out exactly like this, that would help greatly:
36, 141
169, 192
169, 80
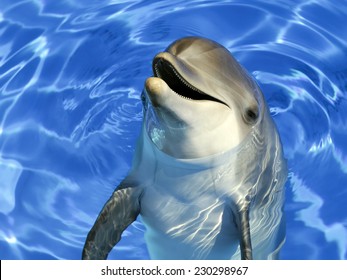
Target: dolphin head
203, 100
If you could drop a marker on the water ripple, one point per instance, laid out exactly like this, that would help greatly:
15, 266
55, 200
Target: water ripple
310, 215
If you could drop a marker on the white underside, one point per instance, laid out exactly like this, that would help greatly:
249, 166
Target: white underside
187, 204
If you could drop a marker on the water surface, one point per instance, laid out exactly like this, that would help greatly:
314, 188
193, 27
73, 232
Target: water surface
71, 75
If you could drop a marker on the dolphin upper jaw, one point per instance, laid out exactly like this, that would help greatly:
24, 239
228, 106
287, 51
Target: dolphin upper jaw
176, 93
183, 79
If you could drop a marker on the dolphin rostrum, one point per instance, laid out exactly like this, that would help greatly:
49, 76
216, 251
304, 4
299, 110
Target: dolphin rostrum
208, 173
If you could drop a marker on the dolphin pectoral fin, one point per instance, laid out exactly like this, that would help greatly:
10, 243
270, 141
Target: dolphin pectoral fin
117, 214
245, 235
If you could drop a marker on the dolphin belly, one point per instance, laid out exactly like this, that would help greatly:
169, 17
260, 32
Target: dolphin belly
193, 232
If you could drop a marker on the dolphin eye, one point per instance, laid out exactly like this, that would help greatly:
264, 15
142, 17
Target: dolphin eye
251, 115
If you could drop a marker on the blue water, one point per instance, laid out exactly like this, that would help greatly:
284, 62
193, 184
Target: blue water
71, 74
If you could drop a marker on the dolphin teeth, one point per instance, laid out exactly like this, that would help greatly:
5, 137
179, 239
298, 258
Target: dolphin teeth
157, 73
167, 72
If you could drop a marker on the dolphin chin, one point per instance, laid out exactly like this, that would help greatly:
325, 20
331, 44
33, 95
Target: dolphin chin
208, 172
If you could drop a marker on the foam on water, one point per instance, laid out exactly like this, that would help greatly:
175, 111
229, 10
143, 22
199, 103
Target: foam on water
71, 77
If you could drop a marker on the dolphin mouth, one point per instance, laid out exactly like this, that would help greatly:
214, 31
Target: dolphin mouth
164, 70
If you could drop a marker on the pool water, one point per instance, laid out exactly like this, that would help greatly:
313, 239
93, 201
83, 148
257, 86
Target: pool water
71, 75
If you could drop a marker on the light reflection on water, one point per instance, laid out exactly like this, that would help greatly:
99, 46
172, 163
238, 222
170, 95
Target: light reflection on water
71, 76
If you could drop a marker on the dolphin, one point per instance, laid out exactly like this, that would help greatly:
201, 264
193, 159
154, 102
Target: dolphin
208, 172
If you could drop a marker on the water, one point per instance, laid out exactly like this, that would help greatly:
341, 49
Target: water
71, 75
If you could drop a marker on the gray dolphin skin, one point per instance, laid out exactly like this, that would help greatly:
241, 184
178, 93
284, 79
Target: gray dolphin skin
208, 173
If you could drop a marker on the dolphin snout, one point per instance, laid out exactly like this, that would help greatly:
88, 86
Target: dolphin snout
155, 88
